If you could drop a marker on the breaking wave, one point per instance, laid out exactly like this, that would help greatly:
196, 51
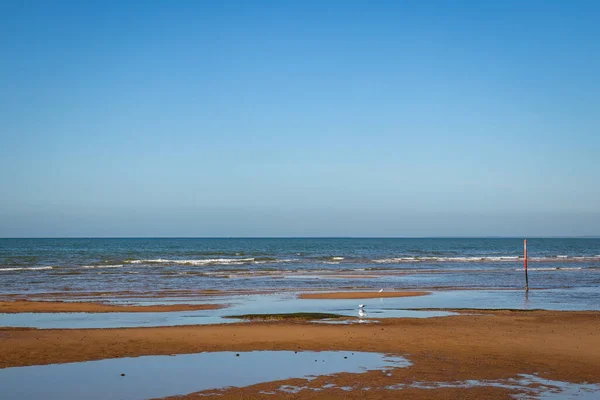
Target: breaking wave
208, 261
25, 269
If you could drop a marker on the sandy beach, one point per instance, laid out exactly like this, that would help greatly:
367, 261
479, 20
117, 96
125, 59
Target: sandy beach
300, 200
490, 345
25, 306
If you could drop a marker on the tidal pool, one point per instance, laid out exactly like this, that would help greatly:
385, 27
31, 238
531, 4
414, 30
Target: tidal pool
403, 307
161, 376
256, 304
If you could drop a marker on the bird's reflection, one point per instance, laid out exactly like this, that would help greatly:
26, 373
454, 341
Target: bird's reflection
361, 313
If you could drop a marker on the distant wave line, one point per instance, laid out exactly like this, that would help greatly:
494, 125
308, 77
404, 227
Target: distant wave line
409, 259
25, 268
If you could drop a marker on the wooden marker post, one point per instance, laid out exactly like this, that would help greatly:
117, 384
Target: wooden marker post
525, 265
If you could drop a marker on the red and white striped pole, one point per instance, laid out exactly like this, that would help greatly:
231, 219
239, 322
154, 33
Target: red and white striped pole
525, 264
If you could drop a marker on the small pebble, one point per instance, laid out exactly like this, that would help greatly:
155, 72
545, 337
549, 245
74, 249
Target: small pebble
122, 374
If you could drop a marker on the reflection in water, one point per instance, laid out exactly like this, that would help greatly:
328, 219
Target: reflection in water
161, 376
361, 313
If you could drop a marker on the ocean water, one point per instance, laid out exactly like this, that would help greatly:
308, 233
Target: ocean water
140, 265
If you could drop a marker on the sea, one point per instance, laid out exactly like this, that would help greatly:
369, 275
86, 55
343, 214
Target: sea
30, 266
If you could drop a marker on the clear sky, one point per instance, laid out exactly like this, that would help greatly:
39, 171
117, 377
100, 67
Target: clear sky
299, 118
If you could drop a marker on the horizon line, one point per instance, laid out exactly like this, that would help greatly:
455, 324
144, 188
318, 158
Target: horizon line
311, 237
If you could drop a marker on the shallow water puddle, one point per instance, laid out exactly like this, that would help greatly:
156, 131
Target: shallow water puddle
161, 376
173, 318
257, 304
531, 386
110, 320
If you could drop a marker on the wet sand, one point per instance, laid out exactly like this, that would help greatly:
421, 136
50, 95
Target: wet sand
162, 294
488, 346
25, 306
350, 276
360, 295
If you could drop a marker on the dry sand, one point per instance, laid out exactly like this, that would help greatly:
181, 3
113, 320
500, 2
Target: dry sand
22, 306
360, 295
490, 345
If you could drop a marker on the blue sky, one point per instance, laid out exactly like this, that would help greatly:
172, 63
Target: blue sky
299, 118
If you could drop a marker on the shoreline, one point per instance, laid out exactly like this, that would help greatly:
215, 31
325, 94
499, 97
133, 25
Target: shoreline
27, 306
132, 293
107, 297
359, 295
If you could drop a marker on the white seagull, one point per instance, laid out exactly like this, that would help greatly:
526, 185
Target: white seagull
361, 306
380, 290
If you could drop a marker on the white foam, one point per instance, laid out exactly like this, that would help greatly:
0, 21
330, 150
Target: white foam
25, 269
212, 261
395, 260
337, 258
103, 266
158, 260
234, 261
